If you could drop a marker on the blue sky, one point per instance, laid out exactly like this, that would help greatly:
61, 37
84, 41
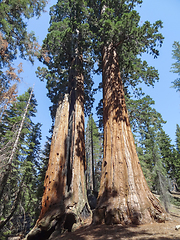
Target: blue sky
167, 100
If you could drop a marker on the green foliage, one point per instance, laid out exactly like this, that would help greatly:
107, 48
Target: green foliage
159, 158
153, 145
178, 138
15, 42
99, 110
117, 22
13, 27
32, 166
176, 65
146, 123
176, 161
142, 115
12, 118
94, 153
40, 178
168, 153
68, 34
20, 188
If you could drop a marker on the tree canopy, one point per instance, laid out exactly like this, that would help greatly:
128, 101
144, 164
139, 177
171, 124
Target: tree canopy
68, 22
79, 29
176, 65
118, 23
15, 41
19, 170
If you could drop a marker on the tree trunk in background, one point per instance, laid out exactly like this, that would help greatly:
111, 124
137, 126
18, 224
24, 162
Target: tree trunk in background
124, 195
4, 177
64, 202
92, 155
89, 158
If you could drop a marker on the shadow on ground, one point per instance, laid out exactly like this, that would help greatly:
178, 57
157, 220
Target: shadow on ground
155, 231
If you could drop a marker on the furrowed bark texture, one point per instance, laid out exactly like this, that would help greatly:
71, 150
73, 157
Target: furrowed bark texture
64, 202
124, 195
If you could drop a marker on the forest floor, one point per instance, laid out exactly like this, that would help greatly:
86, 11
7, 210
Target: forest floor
157, 231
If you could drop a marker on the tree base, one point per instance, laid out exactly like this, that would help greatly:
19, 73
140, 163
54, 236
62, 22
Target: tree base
117, 216
54, 224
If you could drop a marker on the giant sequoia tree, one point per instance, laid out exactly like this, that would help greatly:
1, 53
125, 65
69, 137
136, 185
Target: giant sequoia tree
64, 201
124, 195
118, 39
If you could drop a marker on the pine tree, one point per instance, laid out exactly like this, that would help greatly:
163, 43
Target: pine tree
177, 159
15, 42
168, 153
146, 123
154, 148
13, 29
152, 160
93, 155
32, 167
18, 182
176, 65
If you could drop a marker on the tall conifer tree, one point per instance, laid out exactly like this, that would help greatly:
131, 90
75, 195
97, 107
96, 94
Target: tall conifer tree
176, 65
18, 176
64, 202
15, 41
93, 155
124, 196
177, 159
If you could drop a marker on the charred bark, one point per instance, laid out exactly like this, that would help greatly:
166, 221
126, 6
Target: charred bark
124, 195
64, 202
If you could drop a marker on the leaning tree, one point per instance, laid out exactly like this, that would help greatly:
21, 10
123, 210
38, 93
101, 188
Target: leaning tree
124, 195
64, 202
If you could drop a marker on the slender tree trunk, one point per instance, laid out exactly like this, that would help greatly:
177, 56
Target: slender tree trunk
92, 155
14, 206
5, 176
124, 195
89, 158
64, 202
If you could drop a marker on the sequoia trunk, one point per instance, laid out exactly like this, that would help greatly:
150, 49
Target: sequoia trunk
64, 202
124, 195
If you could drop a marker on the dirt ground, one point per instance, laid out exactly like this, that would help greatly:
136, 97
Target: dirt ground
158, 231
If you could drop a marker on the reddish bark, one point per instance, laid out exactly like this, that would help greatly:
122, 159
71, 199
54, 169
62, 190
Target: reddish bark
64, 202
124, 195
